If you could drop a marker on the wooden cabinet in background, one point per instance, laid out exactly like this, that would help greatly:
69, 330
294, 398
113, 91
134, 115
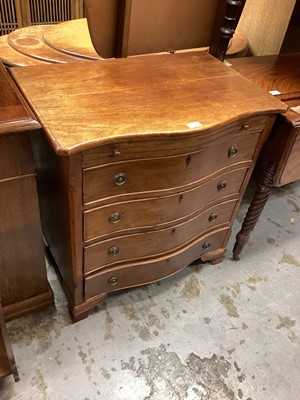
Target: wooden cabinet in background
281, 153
23, 281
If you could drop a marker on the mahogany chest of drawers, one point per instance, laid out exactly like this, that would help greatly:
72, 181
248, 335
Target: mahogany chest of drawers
23, 280
142, 165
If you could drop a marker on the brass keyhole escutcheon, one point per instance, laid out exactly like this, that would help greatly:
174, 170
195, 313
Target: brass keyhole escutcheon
232, 151
113, 280
114, 218
222, 185
113, 251
206, 245
116, 152
212, 217
120, 178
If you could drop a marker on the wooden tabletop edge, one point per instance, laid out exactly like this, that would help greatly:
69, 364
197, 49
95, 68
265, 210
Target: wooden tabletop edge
69, 150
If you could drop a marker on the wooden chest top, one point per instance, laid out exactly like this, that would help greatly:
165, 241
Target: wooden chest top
82, 106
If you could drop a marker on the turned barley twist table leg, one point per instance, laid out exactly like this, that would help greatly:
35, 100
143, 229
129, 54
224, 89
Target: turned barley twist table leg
260, 198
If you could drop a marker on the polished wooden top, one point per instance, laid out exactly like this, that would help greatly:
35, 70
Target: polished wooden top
279, 72
30, 42
14, 116
66, 42
12, 58
84, 105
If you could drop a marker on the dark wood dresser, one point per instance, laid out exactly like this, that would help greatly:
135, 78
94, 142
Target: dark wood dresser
142, 165
281, 153
23, 281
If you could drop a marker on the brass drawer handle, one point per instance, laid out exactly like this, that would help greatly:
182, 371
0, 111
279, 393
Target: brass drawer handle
232, 151
245, 126
113, 251
113, 280
206, 245
114, 218
120, 178
212, 217
222, 185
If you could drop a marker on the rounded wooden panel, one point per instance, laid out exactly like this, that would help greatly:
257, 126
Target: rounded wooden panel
13, 58
238, 46
30, 41
72, 37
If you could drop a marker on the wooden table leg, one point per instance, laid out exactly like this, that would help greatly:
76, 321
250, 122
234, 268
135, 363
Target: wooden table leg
260, 198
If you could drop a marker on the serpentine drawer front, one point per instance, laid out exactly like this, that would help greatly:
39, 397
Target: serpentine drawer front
148, 244
154, 213
123, 179
134, 274
142, 165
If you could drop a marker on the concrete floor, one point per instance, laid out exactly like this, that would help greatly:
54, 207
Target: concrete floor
230, 331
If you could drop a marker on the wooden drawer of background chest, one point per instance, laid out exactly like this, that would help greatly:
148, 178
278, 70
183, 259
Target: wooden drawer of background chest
15, 156
155, 243
154, 213
124, 276
154, 175
289, 166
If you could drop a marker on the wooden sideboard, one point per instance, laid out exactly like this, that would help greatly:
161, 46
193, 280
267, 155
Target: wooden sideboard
23, 281
281, 153
142, 165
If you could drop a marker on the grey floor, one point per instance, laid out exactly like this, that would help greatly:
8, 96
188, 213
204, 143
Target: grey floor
230, 331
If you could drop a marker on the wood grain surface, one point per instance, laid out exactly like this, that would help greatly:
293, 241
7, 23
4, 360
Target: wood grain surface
14, 115
84, 105
154, 243
72, 37
157, 212
12, 58
30, 42
143, 272
23, 284
280, 72
265, 23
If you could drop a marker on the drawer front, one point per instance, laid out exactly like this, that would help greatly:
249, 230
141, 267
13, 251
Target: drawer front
154, 213
111, 279
119, 180
162, 147
155, 243
289, 167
